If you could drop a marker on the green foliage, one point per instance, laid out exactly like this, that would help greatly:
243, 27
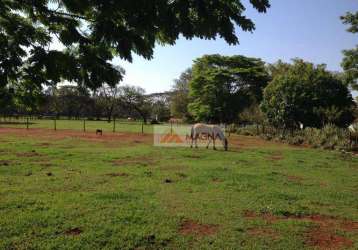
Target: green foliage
352, 20
159, 106
180, 97
303, 92
332, 137
296, 140
107, 100
329, 137
349, 64
68, 100
134, 98
94, 32
222, 86
350, 60
6, 100
249, 130
252, 115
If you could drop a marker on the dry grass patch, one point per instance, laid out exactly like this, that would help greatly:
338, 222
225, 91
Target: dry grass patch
135, 160
322, 234
191, 227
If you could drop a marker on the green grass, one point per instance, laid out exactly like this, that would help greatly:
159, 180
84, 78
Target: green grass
70, 184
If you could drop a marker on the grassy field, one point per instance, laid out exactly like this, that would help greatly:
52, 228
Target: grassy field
71, 190
90, 126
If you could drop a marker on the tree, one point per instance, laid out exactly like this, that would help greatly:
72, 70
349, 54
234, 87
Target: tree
27, 97
94, 32
160, 110
356, 110
107, 98
303, 92
223, 86
133, 98
159, 105
71, 101
6, 101
252, 115
180, 96
350, 60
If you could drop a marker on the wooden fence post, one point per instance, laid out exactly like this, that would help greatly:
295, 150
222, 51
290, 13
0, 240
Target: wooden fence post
27, 122
114, 125
142, 127
84, 125
55, 124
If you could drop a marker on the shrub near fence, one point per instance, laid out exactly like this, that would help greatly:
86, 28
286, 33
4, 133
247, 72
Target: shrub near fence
329, 137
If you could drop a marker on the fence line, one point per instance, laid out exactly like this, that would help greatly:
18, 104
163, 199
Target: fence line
84, 124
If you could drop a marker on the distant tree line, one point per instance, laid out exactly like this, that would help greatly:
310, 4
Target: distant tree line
216, 89
73, 102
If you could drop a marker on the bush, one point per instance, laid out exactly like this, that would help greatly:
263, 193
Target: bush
296, 140
329, 137
249, 130
334, 138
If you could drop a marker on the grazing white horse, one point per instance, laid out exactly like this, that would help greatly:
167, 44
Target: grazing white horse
211, 131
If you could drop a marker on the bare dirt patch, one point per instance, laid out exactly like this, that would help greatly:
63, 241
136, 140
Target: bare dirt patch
264, 232
277, 156
216, 180
46, 164
109, 139
252, 142
28, 154
325, 239
132, 160
265, 216
295, 179
117, 174
190, 227
349, 226
5, 163
323, 234
193, 156
43, 144
73, 232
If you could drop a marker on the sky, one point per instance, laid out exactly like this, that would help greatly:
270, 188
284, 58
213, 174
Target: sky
309, 29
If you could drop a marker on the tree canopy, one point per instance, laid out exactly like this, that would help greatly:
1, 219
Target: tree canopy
180, 96
93, 32
222, 86
350, 60
306, 93
133, 98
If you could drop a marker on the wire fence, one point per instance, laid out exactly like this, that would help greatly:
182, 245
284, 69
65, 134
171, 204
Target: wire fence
80, 124
308, 135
